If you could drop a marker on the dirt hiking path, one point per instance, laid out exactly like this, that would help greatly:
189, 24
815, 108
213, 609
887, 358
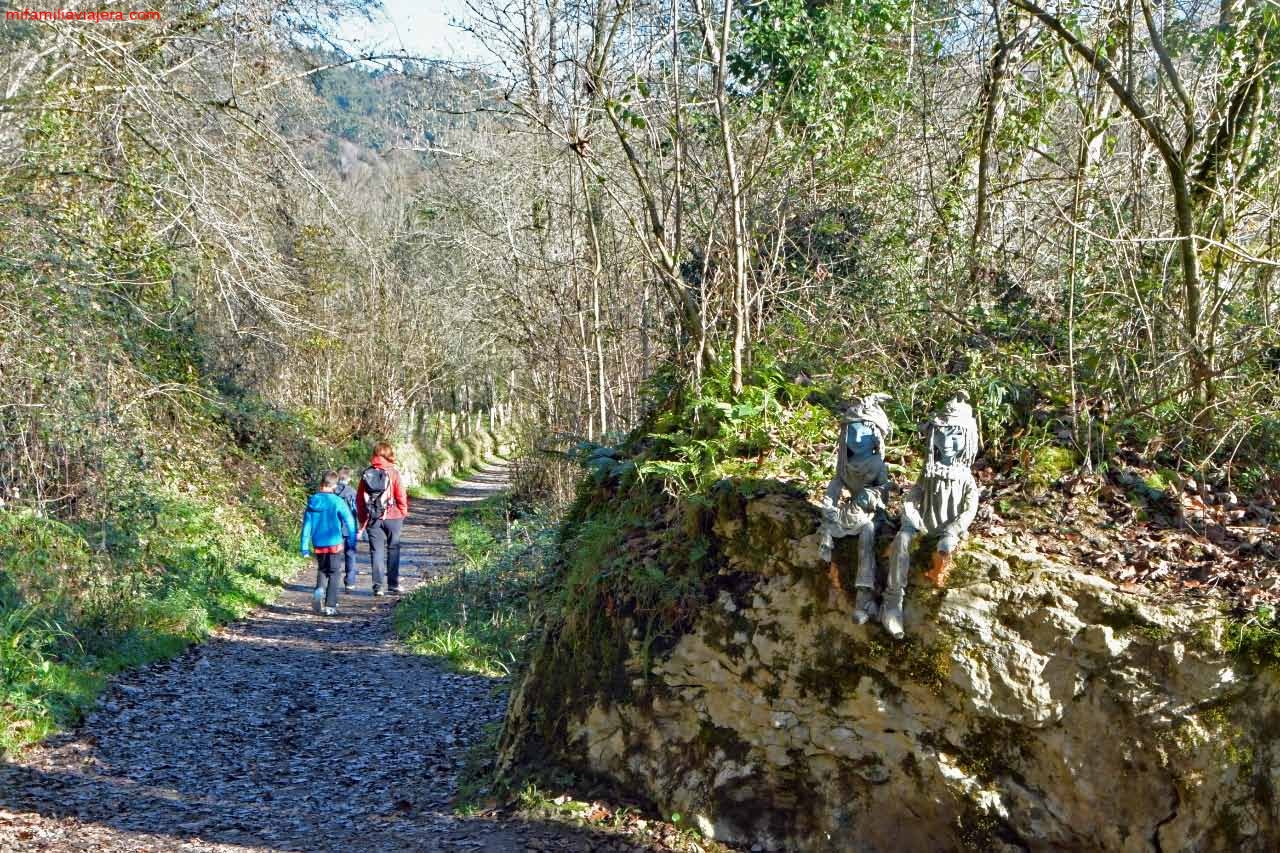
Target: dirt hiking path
284, 732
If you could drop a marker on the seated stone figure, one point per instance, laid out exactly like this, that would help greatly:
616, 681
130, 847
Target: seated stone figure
942, 503
861, 473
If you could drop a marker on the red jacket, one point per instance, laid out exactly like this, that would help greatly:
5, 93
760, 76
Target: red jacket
399, 506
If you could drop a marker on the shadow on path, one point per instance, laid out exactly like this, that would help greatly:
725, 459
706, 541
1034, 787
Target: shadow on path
286, 731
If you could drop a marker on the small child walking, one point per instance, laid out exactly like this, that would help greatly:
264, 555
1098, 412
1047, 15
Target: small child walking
324, 535
345, 491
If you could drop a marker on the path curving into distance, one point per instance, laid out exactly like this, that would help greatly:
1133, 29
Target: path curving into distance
284, 732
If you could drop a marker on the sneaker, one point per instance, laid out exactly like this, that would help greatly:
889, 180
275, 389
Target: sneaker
394, 590
331, 611
865, 608
377, 590
347, 590
891, 614
317, 600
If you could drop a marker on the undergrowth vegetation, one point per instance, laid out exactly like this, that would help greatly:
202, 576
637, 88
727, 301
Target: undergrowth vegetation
1255, 638
479, 614
782, 424
634, 566
180, 544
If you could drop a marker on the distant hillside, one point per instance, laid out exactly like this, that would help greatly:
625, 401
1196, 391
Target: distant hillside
379, 107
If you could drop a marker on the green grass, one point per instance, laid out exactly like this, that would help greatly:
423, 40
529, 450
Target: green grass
467, 456
478, 615
73, 612
437, 488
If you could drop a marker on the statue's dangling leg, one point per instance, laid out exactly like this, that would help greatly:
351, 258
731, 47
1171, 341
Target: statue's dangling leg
896, 586
864, 609
825, 545
831, 530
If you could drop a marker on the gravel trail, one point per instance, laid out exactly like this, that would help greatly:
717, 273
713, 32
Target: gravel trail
286, 731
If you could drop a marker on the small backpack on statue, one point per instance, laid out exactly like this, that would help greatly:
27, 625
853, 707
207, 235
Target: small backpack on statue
377, 491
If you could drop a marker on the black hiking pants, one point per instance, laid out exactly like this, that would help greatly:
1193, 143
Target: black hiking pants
329, 576
384, 550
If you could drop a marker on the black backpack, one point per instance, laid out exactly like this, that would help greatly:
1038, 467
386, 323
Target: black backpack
377, 491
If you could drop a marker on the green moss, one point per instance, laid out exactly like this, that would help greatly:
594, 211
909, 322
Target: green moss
1255, 639
1229, 737
1156, 634
1157, 481
1048, 465
979, 830
629, 581
838, 665
1247, 752
993, 749
965, 570
914, 660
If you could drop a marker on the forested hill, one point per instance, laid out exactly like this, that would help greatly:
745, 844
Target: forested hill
384, 105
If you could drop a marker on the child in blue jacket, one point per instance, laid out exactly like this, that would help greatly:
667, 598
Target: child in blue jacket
323, 534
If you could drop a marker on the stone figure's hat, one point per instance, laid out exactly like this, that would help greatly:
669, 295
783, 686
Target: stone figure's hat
868, 409
957, 412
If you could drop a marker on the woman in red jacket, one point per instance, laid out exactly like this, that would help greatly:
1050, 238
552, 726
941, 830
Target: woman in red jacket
382, 506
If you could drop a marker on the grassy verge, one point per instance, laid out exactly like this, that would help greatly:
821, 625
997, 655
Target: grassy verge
441, 486
72, 614
437, 488
170, 547
478, 616
447, 462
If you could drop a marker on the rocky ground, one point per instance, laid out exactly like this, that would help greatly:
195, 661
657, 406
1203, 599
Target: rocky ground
287, 731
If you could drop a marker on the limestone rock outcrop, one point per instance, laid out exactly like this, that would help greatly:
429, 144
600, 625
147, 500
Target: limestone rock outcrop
1032, 706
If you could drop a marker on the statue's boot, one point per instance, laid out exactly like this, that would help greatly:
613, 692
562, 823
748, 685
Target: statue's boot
939, 569
864, 610
891, 613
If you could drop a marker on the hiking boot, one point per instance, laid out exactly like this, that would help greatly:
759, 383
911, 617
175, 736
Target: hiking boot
864, 610
891, 614
317, 600
377, 590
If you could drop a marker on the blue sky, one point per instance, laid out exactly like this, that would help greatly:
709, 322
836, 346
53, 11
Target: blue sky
418, 26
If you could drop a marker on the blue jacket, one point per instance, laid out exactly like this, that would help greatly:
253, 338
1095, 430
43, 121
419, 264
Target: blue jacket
323, 521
